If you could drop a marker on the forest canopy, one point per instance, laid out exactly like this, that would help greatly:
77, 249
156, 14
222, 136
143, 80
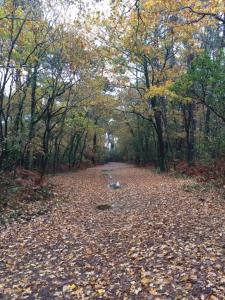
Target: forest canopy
86, 82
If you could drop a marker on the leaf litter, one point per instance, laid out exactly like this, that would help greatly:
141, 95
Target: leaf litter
158, 242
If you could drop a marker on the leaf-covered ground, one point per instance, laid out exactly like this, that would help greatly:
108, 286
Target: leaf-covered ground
161, 238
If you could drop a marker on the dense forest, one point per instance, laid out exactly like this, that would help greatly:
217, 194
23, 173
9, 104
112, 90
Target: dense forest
137, 81
112, 149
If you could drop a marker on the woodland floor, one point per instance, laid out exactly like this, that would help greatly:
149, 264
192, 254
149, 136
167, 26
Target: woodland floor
162, 238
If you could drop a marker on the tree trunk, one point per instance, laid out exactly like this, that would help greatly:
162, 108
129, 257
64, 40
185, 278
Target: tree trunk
94, 148
158, 123
189, 121
207, 120
32, 118
45, 143
82, 150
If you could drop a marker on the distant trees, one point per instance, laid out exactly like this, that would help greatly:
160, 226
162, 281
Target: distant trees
168, 63
48, 74
150, 74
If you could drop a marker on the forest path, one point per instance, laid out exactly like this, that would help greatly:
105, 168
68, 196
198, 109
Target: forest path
156, 240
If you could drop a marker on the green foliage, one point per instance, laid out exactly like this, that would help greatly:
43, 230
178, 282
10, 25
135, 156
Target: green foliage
205, 81
62, 92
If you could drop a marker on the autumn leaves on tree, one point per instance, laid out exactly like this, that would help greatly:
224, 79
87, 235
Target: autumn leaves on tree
147, 74
169, 59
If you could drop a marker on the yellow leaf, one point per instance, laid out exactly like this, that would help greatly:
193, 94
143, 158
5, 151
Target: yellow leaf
188, 285
153, 291
101, 292
145, 281
27, 290
72, 287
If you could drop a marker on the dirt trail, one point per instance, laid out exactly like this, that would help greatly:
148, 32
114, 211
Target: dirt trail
156, 240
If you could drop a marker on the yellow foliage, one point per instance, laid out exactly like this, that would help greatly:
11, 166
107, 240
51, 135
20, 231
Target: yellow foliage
161, 90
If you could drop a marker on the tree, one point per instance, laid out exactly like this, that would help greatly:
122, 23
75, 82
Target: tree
205, 82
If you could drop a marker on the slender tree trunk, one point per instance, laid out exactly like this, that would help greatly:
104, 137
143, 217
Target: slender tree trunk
56, 154
94, 148
1, 128
191, 141
32, 117
207, 121
76, 148
82, 150
158, 123
71, 147
189, 121
45, 143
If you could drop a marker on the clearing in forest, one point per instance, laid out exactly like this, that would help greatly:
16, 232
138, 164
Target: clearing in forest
153, 237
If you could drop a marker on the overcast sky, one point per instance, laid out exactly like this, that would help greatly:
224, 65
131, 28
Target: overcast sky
102, 6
